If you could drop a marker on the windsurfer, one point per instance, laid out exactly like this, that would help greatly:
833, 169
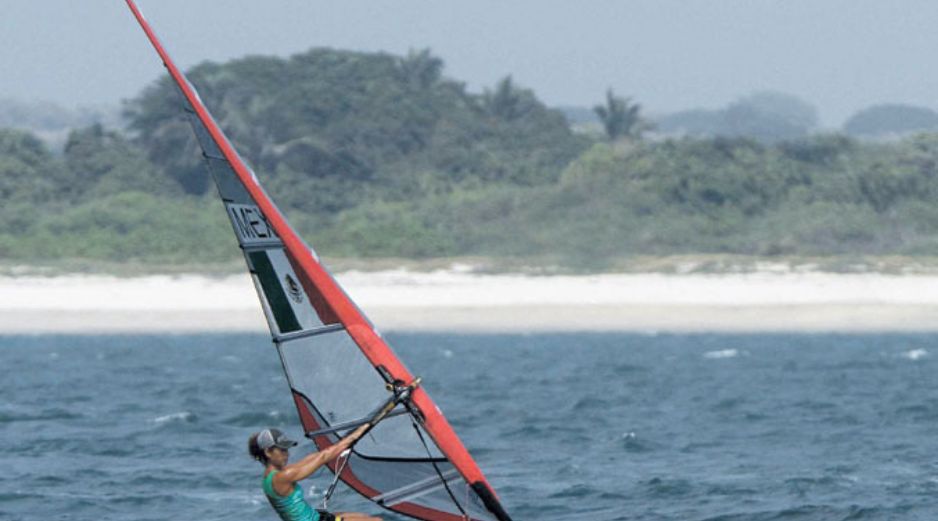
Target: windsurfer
271, 448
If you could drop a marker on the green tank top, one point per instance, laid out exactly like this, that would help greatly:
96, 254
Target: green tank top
292, 507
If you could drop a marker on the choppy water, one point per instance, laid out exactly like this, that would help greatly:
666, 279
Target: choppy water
699, 427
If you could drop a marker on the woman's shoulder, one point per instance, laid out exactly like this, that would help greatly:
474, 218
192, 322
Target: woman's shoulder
269, 478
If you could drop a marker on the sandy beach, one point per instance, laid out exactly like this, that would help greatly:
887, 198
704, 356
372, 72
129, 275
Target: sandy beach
460, 301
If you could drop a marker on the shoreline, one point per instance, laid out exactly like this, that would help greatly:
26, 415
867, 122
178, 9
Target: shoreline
460, 301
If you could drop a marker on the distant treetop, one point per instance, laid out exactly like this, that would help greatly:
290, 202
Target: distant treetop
891, 120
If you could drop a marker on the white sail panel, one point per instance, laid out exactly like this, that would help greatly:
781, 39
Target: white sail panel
330, 372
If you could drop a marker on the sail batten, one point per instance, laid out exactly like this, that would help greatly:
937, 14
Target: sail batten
335, 361
417, 489
296, 335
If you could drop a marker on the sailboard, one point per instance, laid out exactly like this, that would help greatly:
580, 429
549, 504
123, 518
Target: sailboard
337, 365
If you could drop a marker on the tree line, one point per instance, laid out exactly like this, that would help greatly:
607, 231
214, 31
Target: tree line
377, 155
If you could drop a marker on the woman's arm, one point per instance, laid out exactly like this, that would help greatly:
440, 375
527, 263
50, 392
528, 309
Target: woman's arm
284, 480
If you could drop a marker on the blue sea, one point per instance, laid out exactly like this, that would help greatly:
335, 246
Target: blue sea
574, 426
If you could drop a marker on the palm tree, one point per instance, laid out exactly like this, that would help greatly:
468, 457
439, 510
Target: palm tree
620, 117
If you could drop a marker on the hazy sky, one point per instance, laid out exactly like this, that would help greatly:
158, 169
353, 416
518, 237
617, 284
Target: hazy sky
841, 55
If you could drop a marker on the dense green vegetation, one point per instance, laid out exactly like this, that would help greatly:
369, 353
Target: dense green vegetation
374, 155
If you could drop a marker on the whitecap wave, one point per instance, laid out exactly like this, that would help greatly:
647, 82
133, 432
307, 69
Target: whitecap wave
915, 354
722, 353
184, 416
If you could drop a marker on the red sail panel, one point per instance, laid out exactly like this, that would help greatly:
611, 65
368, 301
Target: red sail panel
303, 302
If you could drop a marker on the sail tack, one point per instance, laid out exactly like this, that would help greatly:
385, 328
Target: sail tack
336, 363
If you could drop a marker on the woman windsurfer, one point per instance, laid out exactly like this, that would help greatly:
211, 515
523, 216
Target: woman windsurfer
271, 448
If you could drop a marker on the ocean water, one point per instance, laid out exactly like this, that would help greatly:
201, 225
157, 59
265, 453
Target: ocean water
591, 426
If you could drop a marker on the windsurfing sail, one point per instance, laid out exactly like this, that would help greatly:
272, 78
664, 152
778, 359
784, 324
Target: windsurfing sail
337, 364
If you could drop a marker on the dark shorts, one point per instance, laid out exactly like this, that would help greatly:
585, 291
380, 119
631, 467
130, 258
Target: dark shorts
326, 516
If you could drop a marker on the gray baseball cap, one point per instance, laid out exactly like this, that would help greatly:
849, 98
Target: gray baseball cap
274, 438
